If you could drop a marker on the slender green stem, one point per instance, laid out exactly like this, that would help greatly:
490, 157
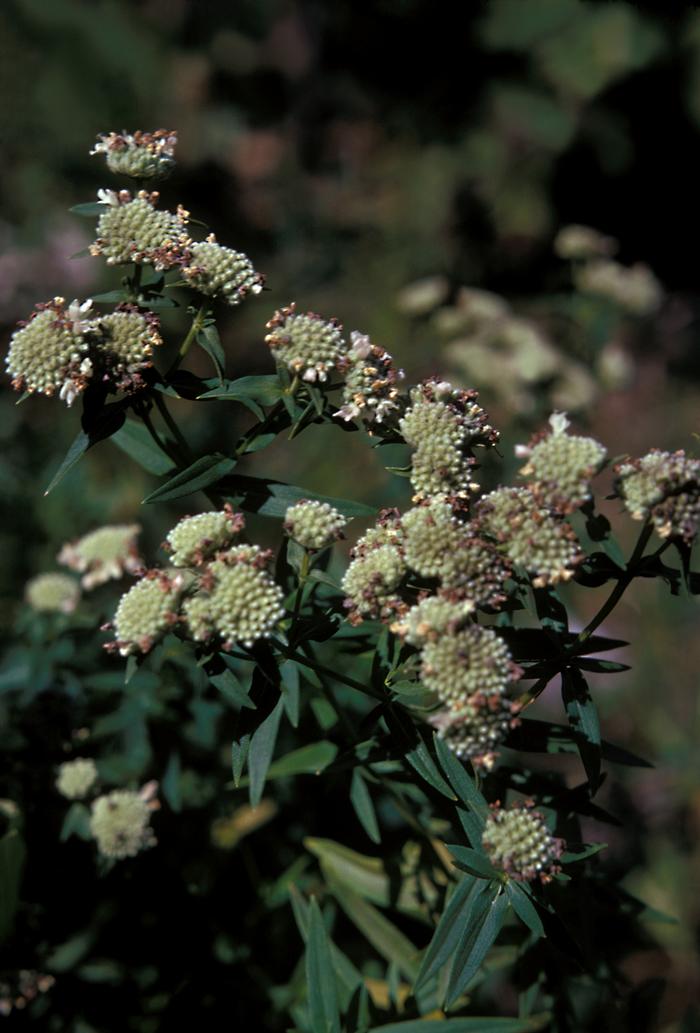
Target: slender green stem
619, 589
197, 324
143, 412
299, 594
172, 426
313, 665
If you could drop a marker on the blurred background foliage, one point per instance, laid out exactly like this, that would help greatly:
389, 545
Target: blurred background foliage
374, 161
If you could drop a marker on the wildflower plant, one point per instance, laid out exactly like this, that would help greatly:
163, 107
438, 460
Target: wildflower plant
403, 675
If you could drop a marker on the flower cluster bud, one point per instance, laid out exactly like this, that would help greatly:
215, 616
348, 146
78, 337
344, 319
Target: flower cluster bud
376, 570
196, 539
530, 535
475, 730
120, 821
633, 288
443, 424
49, 352
132, 229
519, 843
305, 343
138, 155
52, 593
560, 466
76, 778
107, 553
147, 611
370, 392
236, 599
665, 487
472, 662
313, 524
221, 272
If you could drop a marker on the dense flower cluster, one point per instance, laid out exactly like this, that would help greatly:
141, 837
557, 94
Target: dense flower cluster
127, 338
560, 466
443, 424
519, 843
634, 288
132, 229
313, 524
221, 272
664, 486
432, 617
370, 392
196, 539
76, 778
52, 593
215, 588
49, 352
106, 553
236, 599
120, 821
305, 343
470, 662
530, 535
139, 155
477, 729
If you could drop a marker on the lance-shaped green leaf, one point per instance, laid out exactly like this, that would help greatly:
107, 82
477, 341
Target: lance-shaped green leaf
386, 939
106, 423
324, 1008
524, 908
265, 390
89, 209
134, 439
473, 861
289, 684
408, 739
208, 339
583, 719
471, 1024
463, 785
262, 746
450, 929
348, 978
484, 926
311, 759
363, 806
230, 687
201, 474
239, 755
273, 498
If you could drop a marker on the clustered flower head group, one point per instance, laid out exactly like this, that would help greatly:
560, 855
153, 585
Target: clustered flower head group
665, 488
216, 589
519, 843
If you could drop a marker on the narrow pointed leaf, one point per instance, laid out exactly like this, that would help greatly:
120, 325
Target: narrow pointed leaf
473, 861
386, 939
262, 746
265, 390
524, 908
273, 498
460, 781
230, 687
201, 474
363, 806
583, 719
324, 1010
208, 339
450, 929
134, 439
239, 755
484, 926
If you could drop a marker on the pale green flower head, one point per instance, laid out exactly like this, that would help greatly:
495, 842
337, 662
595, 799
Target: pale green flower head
49, 352
52, 593
308, 345
138, 155
196, 539
132, 229
560, 466
665, 487
473, 662
519, 843
221, 272
76, 778
313, 524
433, 617
120, 822
370, 392
475, 731
147, 611
104, 554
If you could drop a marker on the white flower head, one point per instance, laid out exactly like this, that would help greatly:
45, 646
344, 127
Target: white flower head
108, 197
559, 422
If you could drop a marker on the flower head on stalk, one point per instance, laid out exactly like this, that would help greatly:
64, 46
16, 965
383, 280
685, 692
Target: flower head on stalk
139, 155
49, 352
304, 342
221, 272
132, 229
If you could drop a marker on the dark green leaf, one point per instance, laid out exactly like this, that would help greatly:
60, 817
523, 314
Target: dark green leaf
201, 474
107, 422
208, 339
171, 783
265, 390
363, 806
324, 1012
460, 781
524, 908
586, 663
453, 922
89, 208
289, 675
273, 498
239, 755
262, 746
134, 439
472, 861
307, 760
572, 856
415, 751
484, 926
583, 719
230, 687
386, 939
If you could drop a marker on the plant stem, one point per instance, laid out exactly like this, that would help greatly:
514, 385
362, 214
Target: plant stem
197, 324
619, 589
172, 426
